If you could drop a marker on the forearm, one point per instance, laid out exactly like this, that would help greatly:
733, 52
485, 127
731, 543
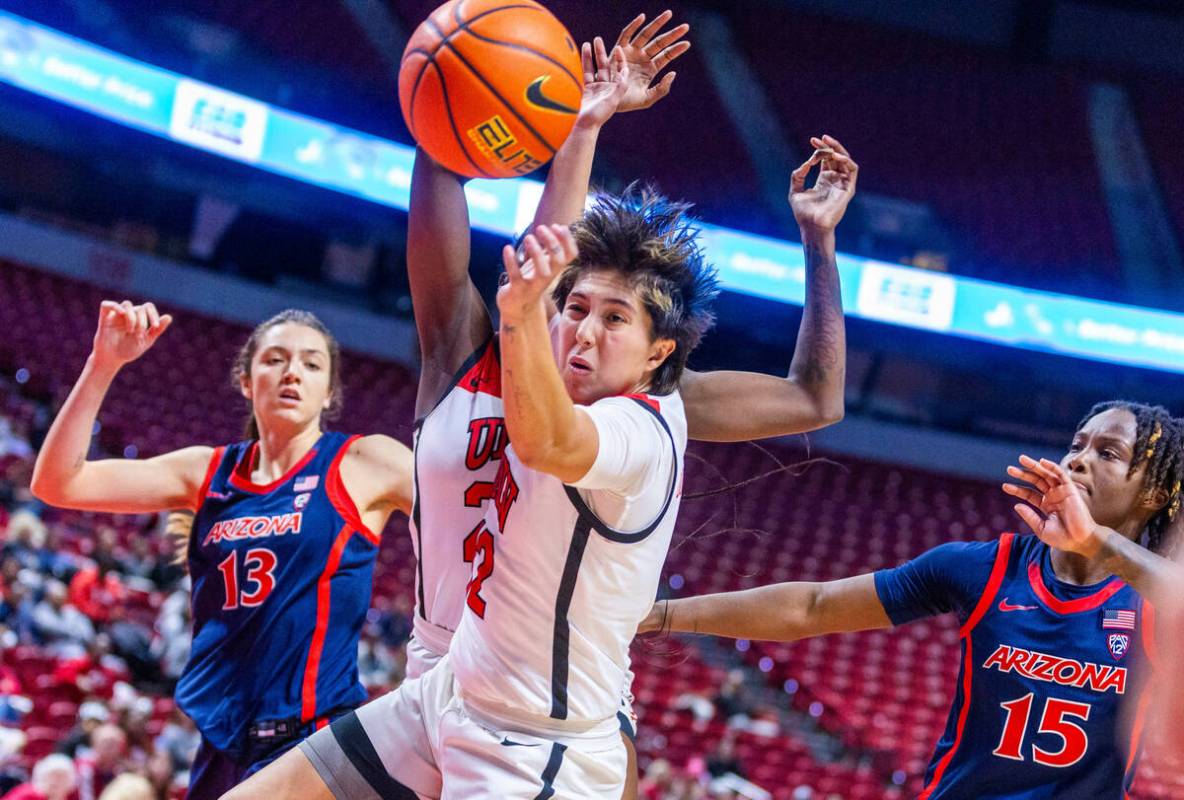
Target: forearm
540, 416
820, 355
63, 454
566, 190
1157, 579
779, 613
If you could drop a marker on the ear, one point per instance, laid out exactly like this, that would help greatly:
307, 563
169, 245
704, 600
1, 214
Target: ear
244, 385
660, 350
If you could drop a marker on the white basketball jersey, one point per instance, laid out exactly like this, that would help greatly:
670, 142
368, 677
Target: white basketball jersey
458, 447
558, 591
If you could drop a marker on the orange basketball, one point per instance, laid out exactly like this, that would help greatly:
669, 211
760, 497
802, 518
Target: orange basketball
491, 88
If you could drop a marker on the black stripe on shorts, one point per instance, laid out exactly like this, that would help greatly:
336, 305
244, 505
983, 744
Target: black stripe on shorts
358, 748
552, 769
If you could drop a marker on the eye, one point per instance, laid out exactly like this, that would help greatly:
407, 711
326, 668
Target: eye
576, 310
1073, 448
312, 365
1109, 454
616, 319
274, 360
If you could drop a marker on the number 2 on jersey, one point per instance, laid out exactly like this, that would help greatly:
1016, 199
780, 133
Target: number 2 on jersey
479, 542
1074, 739
260, 563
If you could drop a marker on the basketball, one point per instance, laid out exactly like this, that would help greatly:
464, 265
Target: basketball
489, 88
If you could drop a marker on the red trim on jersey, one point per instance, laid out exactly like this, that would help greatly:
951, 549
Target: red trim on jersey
645, 398
241, 481
1148, 635
308, 701
1070, 606
215, 461
339, 495
485, 376
984, 604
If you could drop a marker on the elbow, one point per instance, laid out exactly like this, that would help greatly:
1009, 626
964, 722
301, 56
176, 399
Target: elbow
538, 456
831, 411
44, 489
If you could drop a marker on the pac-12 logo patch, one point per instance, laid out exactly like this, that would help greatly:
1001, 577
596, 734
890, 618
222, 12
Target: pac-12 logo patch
1119, 643
302, 500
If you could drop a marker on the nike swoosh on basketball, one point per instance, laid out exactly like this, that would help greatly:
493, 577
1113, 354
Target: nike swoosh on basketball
508, 743
1006, 606
535, 96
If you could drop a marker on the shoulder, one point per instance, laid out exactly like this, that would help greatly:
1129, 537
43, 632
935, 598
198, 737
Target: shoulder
378, 451
192, 463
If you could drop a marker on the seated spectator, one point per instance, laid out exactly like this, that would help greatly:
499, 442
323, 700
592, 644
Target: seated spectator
91, 715
63, 629
656, 783
161, 772
731, 703
174, 634
16, 614
96, 672
724, 761
53, 779
106, 758
179, 738
97, 590
14, 442
12, 768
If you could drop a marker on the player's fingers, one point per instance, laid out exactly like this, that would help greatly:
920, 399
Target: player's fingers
567, 241
798, 176
834, 143
165, 321
1023, 493
587, 63
666, 39
1030, 517
601, 59
651, 30
629, 30
153, 315
510, 262
1056, 470
618, 68
656, 93
1028, 476
142, 322
663, 59
535, 255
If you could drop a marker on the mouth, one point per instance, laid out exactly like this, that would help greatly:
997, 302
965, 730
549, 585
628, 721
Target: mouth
290, 395
1085, 489
579, 365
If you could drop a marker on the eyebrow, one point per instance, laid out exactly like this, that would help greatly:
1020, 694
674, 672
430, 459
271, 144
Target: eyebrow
1106, 438
611, 300
308, 351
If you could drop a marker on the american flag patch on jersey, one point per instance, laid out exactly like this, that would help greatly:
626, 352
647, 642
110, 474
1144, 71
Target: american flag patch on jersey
309, 482
1118, 619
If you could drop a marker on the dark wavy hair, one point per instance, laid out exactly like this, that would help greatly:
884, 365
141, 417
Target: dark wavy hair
1159, 443
242, 362
655, 242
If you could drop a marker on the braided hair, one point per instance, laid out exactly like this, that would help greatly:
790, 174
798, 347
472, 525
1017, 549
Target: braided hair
1159, 444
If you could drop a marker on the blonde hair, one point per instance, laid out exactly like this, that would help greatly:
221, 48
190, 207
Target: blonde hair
129, 786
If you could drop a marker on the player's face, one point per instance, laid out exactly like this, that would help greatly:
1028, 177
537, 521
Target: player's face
289, 381
1099, 460
603, 339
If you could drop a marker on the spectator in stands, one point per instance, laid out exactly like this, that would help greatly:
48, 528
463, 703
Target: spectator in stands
53, 779
16, 613
63, 629
723, 761
730, 702
179, 738
96, 672
657, 781
13, 442
106, 759
128, 787
161, 772
173, 633
97, 590
91, 715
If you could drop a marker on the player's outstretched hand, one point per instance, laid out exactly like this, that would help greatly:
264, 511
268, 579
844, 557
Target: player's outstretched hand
126, 332
1053, 506
547, 251
624, 80
819, 208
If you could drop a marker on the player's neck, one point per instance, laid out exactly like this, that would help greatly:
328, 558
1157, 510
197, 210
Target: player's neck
1077, 569
280, 451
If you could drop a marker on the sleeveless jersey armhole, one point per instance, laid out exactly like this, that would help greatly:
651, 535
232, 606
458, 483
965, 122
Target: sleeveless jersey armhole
200, 499
340, 498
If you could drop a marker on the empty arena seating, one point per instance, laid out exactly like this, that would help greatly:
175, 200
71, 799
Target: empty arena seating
883, 695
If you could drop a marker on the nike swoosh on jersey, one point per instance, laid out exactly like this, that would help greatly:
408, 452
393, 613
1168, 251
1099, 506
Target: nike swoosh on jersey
535, 96
506, 742
1006, 606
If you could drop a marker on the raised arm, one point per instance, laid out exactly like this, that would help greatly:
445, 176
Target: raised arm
782, 612
64, 477
737, 406
616, 82
450, 315
378, 473
550, 434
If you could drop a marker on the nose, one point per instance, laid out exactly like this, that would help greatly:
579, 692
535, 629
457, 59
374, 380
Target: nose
292, 372
586, 331
1076, 462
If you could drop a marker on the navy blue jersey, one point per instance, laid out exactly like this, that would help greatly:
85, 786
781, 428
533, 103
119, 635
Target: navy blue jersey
1050, 699
281, 577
